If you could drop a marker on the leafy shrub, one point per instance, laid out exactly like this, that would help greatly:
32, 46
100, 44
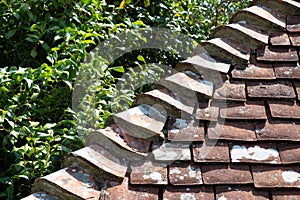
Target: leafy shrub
43, 43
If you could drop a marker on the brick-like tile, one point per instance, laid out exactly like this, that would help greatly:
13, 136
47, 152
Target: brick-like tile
278, 130
276, 177
148, 173
297, 85
253, 71
226, 174
41, 196
231, 90
270, 89
211, 152
240, 192
287, 70
289, 153
207, 112
130, 192
285, 109
293, 23
185, 174
201, 193
279, 39
171, 151
185, 130
243, 131
295, 39
285, 195
255, 153
276, 54
247, 110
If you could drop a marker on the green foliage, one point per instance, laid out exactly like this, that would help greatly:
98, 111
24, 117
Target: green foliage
43, 43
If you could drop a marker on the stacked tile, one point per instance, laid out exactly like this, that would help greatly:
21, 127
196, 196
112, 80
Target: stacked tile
226, 125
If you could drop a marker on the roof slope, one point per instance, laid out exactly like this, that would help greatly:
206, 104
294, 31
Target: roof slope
230, 131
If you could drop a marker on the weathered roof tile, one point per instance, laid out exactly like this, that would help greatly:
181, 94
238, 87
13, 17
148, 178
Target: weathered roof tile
185, 174
280, 39
285, 109
243, 131
175, 193
289, 153
255, 153
278, 130
274, 89
226, 174
273, 177
231, 90
148, 173
297, 86
253, 71
293, 23
184, 130
240, 192
295, 39
285, 195
207, 111
287, 70
277, 54
125, 191
244, 110
211, 151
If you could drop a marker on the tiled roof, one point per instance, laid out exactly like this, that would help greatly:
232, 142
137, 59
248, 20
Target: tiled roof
231, 129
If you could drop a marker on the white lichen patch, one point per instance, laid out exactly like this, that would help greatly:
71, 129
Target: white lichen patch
290, 176
180, 123
256, 153
222, 198
187, 196
175, 171
195, 173
155, 176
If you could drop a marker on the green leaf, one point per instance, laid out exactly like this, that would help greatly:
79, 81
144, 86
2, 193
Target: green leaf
10, 34
147, 3
118, 69
33, 53
49, 125
141, 58
52, 28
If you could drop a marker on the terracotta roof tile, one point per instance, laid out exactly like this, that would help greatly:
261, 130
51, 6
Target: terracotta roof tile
253, 71
231, 90
278, 130
168, 100
69, 183
143, 121
226, 174
255, 153
294, 37
289, 153
243, 131
183, 130
128, 192
276, 89
211, 151
288, 7
279, 39
293, 23
244, 110
185, 174
277, 54
285, 109
41, 196
175, 193
240, 192
285, 195
287, 70
208, 112
297, 86
272, 177
148, 173
260, 15
253, 36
